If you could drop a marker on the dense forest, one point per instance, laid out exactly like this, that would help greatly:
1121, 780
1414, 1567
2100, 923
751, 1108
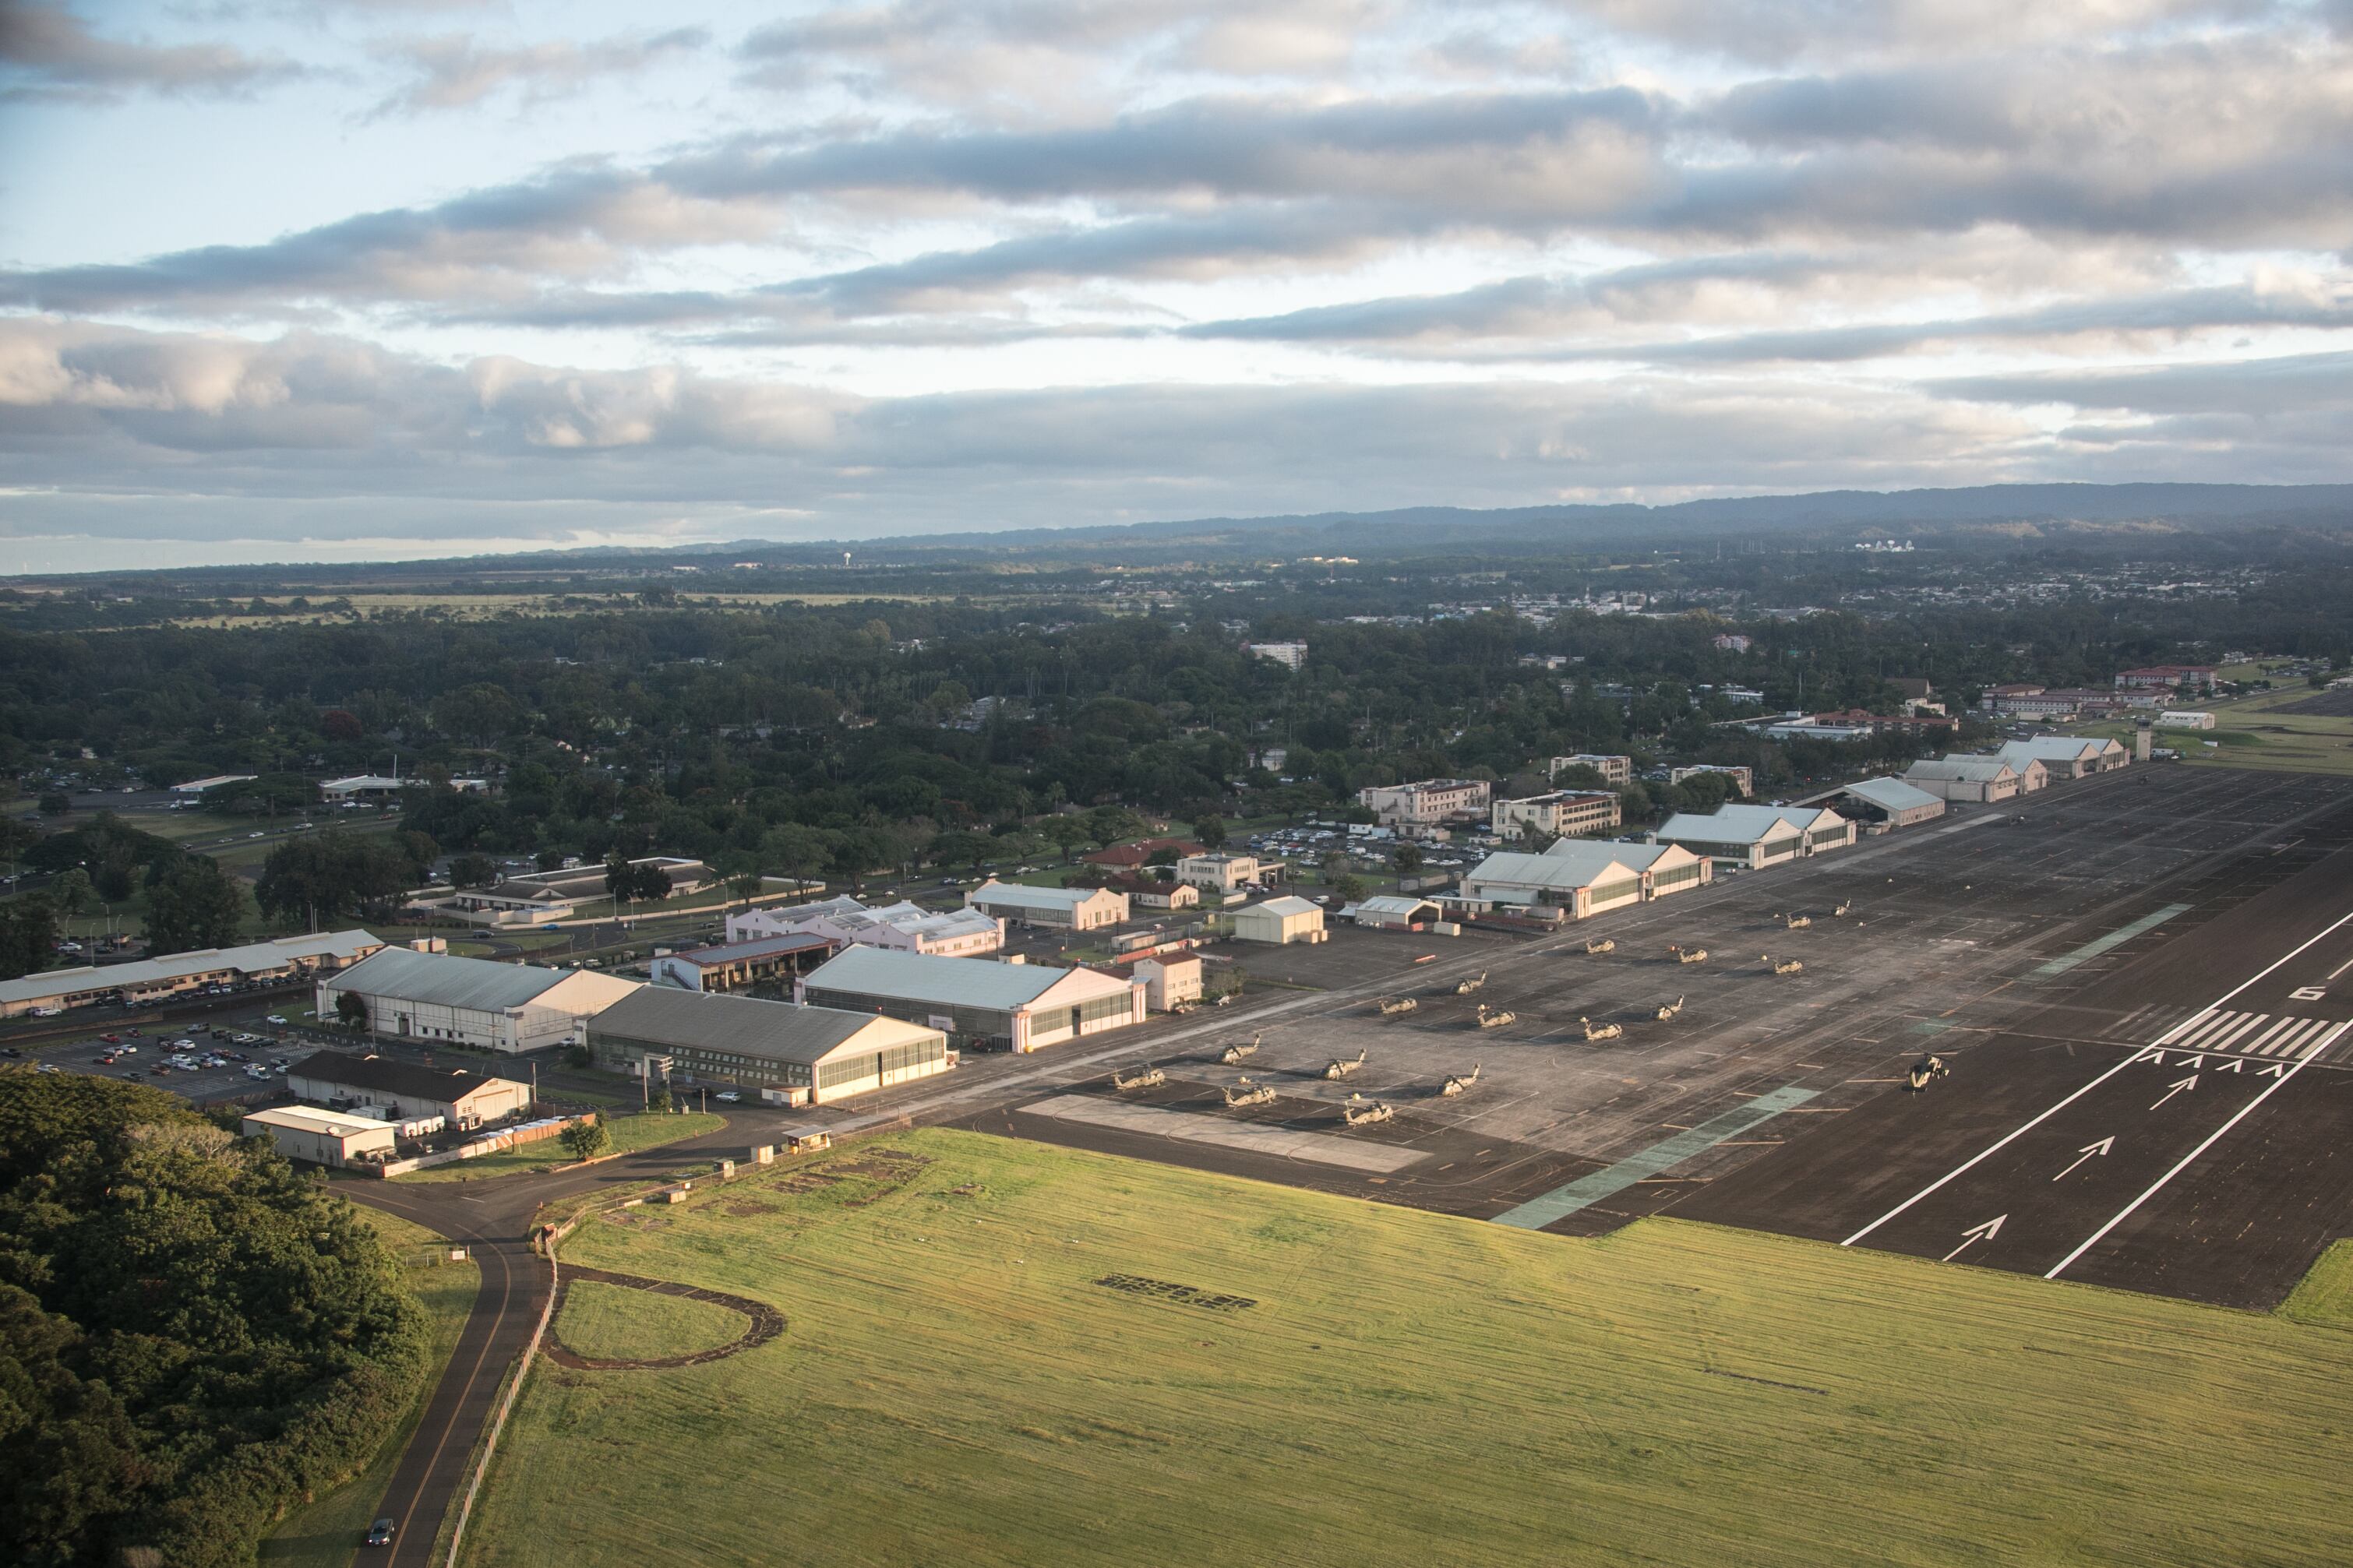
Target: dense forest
196, 1336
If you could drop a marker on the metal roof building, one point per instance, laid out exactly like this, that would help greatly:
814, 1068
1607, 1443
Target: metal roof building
1007, 1006
905, 925
1972, 778
322, 1137
1894, 802
154, 979
1583, 877
1755, 836
1397, 911
818, 1053
472, 1001
739, 966
2066, 756
464, 1098
1280, 920
1078, 908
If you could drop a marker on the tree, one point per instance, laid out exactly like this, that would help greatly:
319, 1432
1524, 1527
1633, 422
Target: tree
29, 936
1407, 858
72, 893
194, 904
1066, 832
1350, 886
340, 724
324, 875
586, 1138
660, 1101
351, 1010
56, 803
1210, 831
473, 872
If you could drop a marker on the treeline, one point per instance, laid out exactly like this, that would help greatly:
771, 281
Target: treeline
195, 1336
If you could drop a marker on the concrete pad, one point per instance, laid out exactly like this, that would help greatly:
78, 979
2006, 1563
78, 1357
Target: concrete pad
1254, 1137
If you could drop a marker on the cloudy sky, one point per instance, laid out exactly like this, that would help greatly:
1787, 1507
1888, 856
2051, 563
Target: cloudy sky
291, 279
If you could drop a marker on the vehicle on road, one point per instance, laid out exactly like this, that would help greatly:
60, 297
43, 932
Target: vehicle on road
275, 1018
727, 1095
380, 1533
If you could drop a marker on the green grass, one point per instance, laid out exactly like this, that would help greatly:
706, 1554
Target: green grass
609, 1322
630, 1133
1408, 1389
2325, 1295
324, 1532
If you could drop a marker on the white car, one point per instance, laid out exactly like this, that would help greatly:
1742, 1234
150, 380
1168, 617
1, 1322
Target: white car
727, 1095
275, 1018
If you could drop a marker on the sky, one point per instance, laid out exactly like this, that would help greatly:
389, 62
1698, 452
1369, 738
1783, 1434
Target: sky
356, 279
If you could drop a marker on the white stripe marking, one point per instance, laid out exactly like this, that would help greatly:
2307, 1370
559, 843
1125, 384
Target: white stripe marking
2256, 1045
2211, 1138
2008, 1138
2223, 1042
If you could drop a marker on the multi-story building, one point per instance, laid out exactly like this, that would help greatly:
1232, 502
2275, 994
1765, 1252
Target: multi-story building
1744, 780
2172, 677
1290, 655
1427, 800
1616, 770
1564, 814
1219, 873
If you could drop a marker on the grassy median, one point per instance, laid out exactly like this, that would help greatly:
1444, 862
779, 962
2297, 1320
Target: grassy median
630, 1134
958, 1384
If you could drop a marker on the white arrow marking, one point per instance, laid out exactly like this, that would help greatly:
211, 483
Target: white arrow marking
1985, 1232
2174, 1088
2089, 1150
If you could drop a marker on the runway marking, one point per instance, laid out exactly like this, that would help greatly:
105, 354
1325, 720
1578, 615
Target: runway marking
1253, 1137
2163, 1040
2114, 939
1643, 1166
2211, 1138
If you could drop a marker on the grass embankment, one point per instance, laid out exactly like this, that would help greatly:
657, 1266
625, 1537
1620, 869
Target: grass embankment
630, 1134
325, 1532
612, 1322
1410, 1389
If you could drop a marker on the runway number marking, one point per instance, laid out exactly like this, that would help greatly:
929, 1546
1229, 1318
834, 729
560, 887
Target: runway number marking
1976, 1233
2165, 1039
2090, 1152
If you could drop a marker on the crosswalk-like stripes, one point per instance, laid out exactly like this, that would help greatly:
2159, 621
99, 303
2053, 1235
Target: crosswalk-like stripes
2281, 1038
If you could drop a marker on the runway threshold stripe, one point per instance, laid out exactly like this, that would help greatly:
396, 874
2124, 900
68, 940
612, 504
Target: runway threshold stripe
2114, 939
1588, 1190
2262, 1044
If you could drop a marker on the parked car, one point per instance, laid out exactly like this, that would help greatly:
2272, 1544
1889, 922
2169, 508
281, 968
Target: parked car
727, 1095
275, 1018
111, 1039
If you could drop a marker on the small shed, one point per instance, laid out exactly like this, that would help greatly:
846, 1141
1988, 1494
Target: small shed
807, 1140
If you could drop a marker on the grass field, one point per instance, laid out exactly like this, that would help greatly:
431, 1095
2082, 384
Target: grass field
325, 1532
610, 1322
2251, 733
489, 607
957, 1386
630, 1133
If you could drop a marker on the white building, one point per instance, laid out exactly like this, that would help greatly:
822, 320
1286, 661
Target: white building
199, 786
1280, 922
1002, 1006
1582, 877
1427, 800
904, 927
1757, 835
1069, 908
1616, 770
2067, 756
1397, 911
407, 1091
1562, 813
1219, 873
1169, 982
474, 1002
2182, 719
323, 1137
1974, 779
279, 960
1290, 655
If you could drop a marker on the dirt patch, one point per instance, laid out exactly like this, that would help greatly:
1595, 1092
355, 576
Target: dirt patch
766, 1322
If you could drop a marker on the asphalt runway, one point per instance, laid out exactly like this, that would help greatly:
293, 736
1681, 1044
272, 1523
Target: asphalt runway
2175, 1124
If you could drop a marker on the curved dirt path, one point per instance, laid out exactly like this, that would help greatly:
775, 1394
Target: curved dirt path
766, 1323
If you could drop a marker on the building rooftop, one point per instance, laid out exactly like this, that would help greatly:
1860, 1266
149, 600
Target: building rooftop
251, 959
2066, 747
1890, 795
1394, 904
448, 981
933, 977
305, 1119
1022, 896
1740, 823
757, 948
773, 1031
410, 1079
1973, 770
1288, 906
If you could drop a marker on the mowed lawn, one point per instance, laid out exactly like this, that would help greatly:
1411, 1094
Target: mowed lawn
612, 1322
954, 1387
